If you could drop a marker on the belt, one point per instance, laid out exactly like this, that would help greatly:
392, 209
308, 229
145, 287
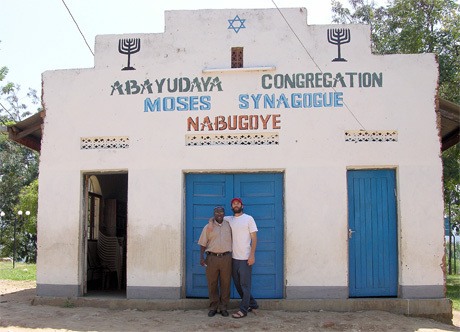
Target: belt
218, 255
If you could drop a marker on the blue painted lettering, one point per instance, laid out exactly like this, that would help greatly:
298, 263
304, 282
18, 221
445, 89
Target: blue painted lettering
182, 103
244, 103
205, 103
169, 104
256, 99
338, 99
294, 100
194, 103
282, 100
150, 106
269, 100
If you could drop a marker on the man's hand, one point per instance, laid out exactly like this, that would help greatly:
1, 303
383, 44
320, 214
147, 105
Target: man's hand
252, 254
202, 262
251, 260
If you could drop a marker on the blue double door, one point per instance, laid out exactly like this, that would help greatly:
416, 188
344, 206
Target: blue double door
373, 245
262, 195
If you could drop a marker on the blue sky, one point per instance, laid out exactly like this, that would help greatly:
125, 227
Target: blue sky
39, 35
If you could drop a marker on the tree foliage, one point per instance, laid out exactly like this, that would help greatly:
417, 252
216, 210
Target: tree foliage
18, 174
412, 26
18, 170
451, 162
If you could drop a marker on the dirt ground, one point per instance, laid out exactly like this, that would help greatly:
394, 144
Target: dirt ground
17, 314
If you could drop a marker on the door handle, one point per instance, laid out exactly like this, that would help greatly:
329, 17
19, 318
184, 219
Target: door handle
350, 233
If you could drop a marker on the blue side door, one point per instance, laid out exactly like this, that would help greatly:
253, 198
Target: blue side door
373, 251
262, 194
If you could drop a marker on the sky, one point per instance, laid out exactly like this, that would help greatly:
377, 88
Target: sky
40, 35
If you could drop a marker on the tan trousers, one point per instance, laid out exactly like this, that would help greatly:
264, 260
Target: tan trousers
219, 268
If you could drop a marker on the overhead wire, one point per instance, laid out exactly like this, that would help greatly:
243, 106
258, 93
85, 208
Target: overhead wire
81, 33
313, 60
288, 24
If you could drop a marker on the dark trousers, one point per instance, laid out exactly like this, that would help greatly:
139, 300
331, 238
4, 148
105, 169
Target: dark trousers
219, 270
242, 273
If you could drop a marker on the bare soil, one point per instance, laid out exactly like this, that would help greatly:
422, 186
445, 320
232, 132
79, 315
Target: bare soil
17, 314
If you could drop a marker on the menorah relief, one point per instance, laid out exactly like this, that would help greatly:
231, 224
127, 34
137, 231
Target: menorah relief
129, 46
338, 37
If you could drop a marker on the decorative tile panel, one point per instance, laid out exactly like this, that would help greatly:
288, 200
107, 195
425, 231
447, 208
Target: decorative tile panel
357, 136
232, 139
104, 142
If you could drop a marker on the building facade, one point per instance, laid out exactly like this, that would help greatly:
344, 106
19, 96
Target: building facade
334, 151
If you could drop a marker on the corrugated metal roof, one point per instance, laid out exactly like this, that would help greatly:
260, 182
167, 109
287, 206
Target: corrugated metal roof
450, 123
28, 132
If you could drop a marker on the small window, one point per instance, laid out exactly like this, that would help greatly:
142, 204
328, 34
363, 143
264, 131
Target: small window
237, 57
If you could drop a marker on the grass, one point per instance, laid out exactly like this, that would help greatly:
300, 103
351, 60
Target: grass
453, 290
21, 271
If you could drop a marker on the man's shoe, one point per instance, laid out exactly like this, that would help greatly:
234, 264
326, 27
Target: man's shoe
224, 313
212, 313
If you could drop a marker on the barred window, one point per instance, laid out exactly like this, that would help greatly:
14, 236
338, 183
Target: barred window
237, 57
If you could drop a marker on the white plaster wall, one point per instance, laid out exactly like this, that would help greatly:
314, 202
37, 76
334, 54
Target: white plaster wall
312, 149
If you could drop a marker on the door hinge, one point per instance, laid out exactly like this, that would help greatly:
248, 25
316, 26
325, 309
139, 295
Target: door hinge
350, 233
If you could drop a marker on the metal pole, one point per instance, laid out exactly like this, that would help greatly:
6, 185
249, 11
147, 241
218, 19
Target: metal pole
455, 244
450, 244
14, 242
2, 216
455, 256
14, 237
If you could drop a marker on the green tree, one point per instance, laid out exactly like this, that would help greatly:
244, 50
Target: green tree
412, 26
18, 170
27, 235
451, 165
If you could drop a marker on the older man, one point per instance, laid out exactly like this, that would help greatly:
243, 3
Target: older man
217, 243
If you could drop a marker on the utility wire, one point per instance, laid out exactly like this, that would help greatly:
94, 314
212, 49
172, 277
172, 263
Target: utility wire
317, 66
81, 33
6, 110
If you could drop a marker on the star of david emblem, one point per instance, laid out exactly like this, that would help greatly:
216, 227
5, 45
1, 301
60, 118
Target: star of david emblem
236, 28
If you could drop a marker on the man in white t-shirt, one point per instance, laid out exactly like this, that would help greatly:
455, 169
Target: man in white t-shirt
244, 242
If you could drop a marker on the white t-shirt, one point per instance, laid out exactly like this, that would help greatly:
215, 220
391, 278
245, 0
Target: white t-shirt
242, 227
